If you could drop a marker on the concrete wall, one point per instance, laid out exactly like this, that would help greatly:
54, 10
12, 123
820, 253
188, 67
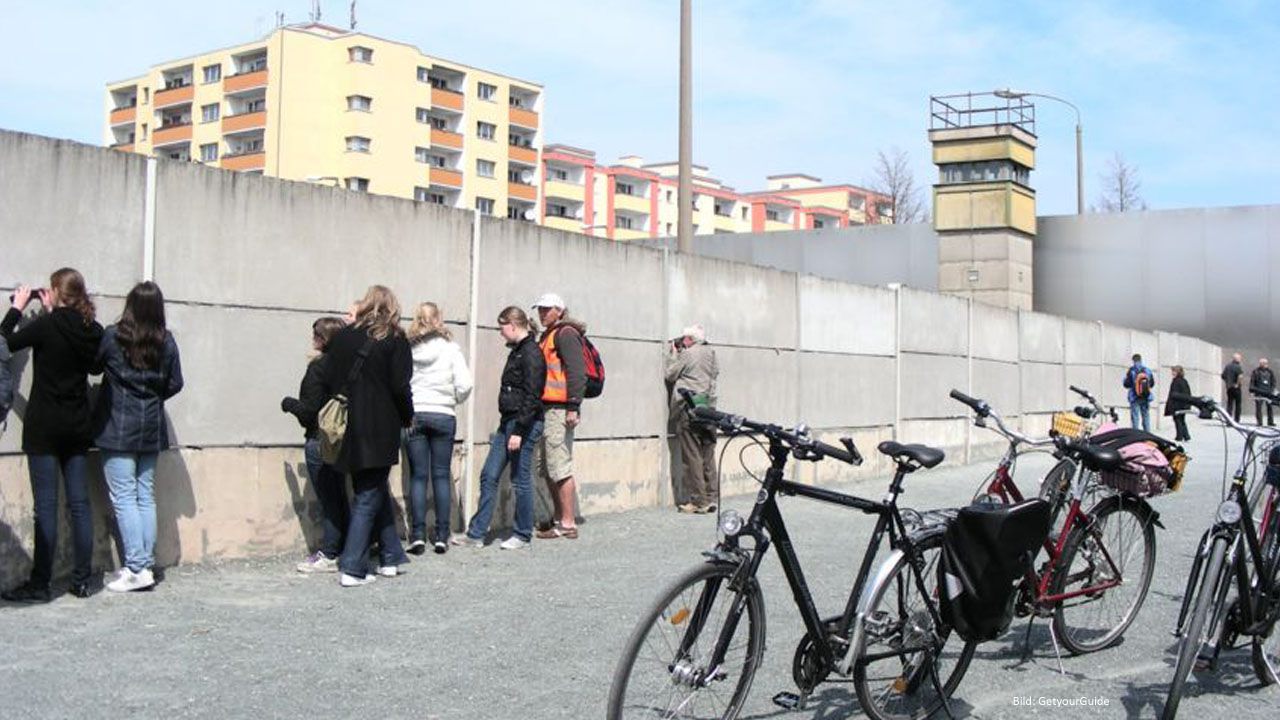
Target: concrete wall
247, 264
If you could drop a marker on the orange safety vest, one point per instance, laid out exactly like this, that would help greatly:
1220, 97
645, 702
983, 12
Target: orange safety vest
557, 388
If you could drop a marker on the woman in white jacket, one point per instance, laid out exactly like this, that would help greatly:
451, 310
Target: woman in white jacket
441, 381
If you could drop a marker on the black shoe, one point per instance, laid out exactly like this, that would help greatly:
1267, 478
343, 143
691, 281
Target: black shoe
28, 593
417, 547
441, 547
82, 590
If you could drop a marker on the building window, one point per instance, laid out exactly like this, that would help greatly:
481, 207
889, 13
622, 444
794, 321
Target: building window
438, 83
484, 168
771, 215
209, 113
439, 123
422, 155
146, 95
254, 106
557, 210
438, 161
212, 73
624, 188
436, 198
143, 135
423, 115
722, 210
560, 174
247, 147
744, 213
424, 75
363, 103
254, 65
356, 53
209, 153
857, 202
668, 196
622, 222
515, 176
486, 131
484, 205
519, 140
356, 143
668, 228
818, 223
486, 91
515, 212
358, 184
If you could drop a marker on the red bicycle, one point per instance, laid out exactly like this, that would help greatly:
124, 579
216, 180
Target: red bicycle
1099, 563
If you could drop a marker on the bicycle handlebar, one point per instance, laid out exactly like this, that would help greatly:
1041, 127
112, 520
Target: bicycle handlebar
1097, 405
807, 447
979, 407
983, 411
1209, 407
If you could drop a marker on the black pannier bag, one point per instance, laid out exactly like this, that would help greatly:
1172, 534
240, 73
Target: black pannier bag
1273, 467
985, 553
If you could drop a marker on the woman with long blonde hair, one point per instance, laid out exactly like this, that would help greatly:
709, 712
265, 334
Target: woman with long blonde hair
441, 381
369, 362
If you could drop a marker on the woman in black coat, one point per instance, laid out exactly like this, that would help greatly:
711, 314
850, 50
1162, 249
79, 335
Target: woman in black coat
1179, 386
379, 405
57, 430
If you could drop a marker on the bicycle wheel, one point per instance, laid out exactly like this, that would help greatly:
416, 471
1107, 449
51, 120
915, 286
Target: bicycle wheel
1117, 542
1266, 645
656, 679
893, 684
1055, 490
1195, 631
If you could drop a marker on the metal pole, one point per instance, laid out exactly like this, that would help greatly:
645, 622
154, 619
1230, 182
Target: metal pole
684, 192
1079, 169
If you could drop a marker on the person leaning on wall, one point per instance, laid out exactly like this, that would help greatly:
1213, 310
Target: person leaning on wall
692, 366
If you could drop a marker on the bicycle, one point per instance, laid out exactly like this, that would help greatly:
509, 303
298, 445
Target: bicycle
1233, 549
1088, 582
690, 656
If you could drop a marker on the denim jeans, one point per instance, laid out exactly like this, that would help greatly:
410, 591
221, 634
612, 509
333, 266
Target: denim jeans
330, 487
521, 481
1140, 411
43, 470
131, 482
429, 445
370, 513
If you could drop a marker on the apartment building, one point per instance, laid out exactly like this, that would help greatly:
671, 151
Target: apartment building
631, 200
316, 103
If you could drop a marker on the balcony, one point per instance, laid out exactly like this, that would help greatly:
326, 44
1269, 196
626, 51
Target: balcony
121, 116
445, 138
565, 190
521, 191
174, 96
244, 81
448, 99
523, 118
171, 134
445, 177
245, 161
244, 121
631, 203
528, 156
123, 147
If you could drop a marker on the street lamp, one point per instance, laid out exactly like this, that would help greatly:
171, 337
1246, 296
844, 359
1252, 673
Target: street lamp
1008, 94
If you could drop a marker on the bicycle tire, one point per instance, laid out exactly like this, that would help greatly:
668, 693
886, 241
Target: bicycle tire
1088, 542
1266, 644
1055, 489
1193, 636
891, 587
687, 591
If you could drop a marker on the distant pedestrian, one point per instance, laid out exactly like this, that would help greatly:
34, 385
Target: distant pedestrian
372, 359
515, 440
562, 349
1140, 381
1232, 375
141, 370
1172, 406
441, 381
692, 366
57, 429
1262, 386
329, 484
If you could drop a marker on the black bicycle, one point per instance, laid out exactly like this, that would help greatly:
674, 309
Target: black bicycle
1238, 552
695, 652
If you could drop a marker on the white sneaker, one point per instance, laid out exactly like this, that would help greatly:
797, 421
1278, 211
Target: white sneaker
388, 570
465, 541
318, 563
145, 579
353, 581
515, 542
128, 581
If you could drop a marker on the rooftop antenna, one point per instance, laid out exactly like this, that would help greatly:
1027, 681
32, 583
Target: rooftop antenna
315, 11
279, 18
353, 14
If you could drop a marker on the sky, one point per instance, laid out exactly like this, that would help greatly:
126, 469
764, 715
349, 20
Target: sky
1188, 92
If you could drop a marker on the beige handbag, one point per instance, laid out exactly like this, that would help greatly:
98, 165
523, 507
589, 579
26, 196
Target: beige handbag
331, 422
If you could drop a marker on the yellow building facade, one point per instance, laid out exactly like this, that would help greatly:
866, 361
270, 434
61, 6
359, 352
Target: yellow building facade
320, 104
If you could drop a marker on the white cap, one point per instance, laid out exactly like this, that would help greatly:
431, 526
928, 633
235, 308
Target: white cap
696, 333
549, 300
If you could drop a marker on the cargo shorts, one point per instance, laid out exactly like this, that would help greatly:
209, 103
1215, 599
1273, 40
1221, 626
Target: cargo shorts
553, 457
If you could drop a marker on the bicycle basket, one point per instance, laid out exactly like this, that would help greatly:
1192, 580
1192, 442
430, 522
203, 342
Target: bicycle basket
1150, 482
1068, 425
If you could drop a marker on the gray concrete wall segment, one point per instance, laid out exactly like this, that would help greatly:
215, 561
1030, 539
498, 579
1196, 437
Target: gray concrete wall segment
1082, 341
999, 384
840, 318
995, 333
738, 304
845, 390
933, 323
758, 382
62, 203
1117, 345
1088, 377
1043, 387
1040, 337
926, 382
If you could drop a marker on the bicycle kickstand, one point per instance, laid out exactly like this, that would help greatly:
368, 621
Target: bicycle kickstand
1057, 651
937, 685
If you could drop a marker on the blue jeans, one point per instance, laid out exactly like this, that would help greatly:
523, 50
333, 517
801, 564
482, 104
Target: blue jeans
330, 488
1140, 411
521, 481
131, 482
43, 470
429, 445
370, 513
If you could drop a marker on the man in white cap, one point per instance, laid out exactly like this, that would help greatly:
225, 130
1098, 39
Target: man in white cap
692, 366
562, 397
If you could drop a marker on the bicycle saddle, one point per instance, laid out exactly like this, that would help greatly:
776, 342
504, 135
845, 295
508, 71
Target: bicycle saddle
922, 455
1097, 457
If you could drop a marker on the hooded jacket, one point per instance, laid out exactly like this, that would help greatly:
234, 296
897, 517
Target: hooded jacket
129, 416
523, 377
63, 346
441, 379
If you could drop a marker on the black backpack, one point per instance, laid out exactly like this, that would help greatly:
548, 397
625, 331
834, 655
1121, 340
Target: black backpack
985, 553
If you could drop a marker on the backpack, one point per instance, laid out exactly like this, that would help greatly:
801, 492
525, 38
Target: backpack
595, 369
1142, 384
6, 381
985, 552
331, 421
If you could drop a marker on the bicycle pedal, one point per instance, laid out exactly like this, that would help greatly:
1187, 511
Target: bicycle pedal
788, 701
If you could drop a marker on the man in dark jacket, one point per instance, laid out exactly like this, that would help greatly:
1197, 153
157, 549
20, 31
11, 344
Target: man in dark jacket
1262, 386
562, 396
1231, 375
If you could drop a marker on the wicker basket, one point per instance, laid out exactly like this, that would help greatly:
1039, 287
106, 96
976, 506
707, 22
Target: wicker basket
1177, 464
1149, 483
1069, 425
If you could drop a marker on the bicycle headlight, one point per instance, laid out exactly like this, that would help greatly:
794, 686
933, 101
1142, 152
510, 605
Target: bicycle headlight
730, 523
1229, 512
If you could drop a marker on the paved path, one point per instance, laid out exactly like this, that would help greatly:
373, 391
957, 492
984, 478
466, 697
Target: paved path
535, 634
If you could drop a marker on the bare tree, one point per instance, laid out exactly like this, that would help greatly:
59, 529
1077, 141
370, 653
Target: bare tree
1121, 188
894, 179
